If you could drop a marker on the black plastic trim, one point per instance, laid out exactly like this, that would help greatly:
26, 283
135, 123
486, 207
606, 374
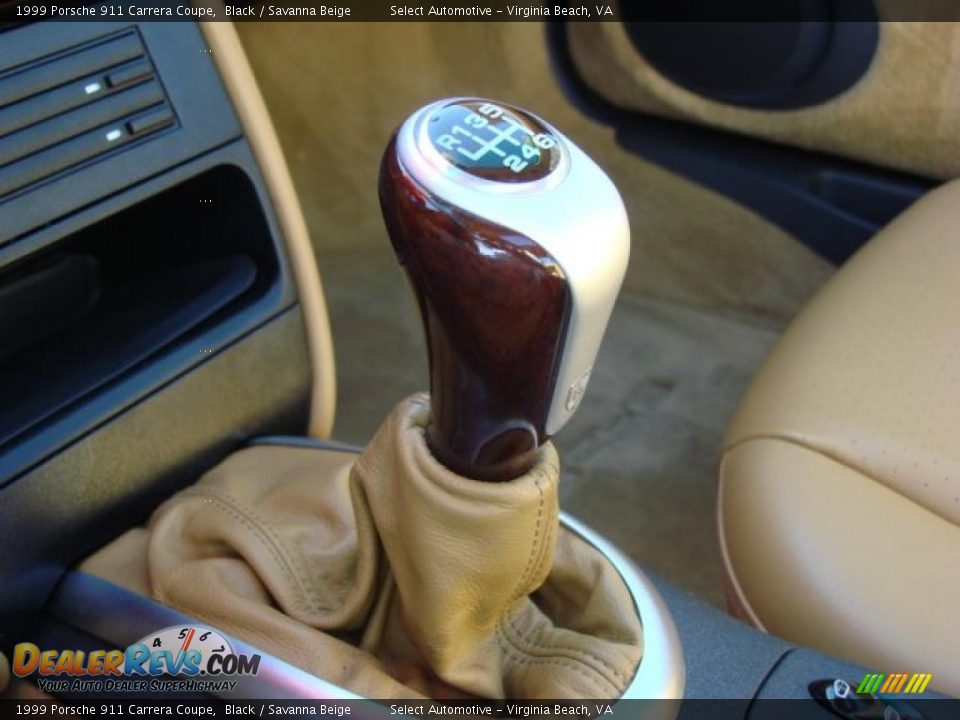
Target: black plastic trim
112, 479
186, 73
796, 190
73, 423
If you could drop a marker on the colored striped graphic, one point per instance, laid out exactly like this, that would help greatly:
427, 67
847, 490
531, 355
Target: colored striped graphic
894, 683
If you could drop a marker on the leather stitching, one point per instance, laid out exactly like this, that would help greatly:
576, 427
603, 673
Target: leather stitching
521, 658
535, 645
523, 655
618, 682
274, 546
518, 591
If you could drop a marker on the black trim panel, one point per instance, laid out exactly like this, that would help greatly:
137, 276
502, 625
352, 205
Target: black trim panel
190, 80
113, 479
75, 421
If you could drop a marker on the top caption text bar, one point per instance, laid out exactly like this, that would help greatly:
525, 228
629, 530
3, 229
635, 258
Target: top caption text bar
22, 11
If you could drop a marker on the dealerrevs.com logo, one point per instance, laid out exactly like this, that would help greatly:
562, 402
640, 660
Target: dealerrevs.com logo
175, 659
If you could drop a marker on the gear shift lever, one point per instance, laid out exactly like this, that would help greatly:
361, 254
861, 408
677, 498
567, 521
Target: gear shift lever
516, 244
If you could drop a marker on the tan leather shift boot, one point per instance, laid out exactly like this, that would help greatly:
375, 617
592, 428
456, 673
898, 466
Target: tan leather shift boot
393, 577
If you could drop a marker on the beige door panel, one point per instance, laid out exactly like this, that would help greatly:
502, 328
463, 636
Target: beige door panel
904, 113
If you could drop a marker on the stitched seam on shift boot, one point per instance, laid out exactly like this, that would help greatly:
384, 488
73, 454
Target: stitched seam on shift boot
558, 661
547, 544
618, 683
262, 531
534, 550
534, 645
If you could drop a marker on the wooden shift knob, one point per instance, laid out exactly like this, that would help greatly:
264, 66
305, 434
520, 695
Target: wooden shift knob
515, 244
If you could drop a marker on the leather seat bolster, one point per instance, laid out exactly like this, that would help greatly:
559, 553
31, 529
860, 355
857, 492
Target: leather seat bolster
820, 553
869, 372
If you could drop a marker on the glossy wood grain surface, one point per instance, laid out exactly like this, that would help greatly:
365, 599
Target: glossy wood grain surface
494, 305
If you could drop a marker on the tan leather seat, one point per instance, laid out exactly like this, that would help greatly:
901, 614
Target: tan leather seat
839, 497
